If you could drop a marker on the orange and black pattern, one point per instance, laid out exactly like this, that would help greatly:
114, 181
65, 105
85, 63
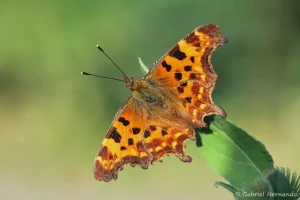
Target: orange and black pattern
165, 107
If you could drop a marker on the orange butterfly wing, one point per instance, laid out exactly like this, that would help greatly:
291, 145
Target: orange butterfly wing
183, 81
123, 143
187, 72
165, 137
138, 137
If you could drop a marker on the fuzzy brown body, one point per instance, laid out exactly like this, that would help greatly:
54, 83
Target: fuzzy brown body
160, 103
164, 108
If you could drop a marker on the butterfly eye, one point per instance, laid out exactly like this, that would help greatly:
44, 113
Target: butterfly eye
150, 99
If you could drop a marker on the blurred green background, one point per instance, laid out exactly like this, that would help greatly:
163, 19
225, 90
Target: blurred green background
53, 120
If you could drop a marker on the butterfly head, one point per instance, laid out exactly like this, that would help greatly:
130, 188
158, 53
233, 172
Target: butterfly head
131, 83
142, 90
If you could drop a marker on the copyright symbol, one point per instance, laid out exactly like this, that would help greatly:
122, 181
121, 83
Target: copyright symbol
237, 194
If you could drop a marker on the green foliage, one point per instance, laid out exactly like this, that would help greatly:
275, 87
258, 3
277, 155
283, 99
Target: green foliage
245, 163
232, 153
144, 68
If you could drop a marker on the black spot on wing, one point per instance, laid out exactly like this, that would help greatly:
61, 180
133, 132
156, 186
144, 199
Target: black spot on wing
180, 90
130, 141
152, 127
163, 132
187, 68
166, 66
115, 135
188, 99
146, 133
192, 58
178, 76
123, 148
136, 131
176, 53
124, 121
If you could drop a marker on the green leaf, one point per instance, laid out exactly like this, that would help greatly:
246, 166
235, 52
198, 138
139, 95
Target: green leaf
144, 68
232, 152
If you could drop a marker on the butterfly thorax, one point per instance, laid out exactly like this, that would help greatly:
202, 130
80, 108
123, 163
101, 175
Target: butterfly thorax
155, 101
141, 90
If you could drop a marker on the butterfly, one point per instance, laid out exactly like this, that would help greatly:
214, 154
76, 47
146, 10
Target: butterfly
164, 108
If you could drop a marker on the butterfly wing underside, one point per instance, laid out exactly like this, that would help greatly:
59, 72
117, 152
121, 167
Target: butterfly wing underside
122, 144
187, 72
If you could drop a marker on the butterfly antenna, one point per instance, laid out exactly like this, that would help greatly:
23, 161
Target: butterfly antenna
98, 47
89, 74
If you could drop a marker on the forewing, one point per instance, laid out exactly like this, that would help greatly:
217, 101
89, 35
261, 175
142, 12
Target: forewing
187, 72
